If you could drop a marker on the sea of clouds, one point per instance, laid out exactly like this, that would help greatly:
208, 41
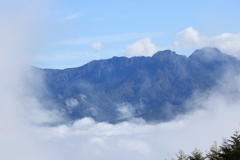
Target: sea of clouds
23, 113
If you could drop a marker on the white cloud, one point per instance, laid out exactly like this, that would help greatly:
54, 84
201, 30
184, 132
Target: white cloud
142, 47
227, 42
135, 145
20, 87
83, 97
98, 46
125, 110
187, 38
71, 104
109, 38
72, 16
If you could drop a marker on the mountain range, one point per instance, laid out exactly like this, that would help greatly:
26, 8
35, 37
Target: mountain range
152, 88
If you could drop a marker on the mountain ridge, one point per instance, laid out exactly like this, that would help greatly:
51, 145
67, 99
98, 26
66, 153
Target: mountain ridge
161, 83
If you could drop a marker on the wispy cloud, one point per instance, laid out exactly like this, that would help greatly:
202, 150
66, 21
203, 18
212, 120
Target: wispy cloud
98, 46
110, 38
125, 110
72, 16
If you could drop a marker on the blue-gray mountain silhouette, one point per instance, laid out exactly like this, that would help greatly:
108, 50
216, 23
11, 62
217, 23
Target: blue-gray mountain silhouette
153, 88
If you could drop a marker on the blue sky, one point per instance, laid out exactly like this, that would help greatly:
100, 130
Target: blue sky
77, 32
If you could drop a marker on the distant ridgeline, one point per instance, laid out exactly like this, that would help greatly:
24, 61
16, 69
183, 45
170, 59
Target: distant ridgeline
152, 88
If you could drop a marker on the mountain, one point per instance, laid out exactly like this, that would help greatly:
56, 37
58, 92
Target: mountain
153, 88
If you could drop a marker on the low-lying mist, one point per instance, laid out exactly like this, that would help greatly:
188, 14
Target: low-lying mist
22, 111
215, 116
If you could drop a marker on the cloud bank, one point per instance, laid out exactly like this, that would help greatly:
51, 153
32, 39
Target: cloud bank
216, 115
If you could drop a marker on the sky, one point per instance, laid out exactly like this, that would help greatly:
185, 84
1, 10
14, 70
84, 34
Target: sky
77, 32
60, 34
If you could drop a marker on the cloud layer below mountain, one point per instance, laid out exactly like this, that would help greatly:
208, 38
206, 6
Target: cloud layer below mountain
215, 116
22, 112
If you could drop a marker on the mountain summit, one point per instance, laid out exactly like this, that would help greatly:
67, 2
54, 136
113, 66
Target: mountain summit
153, 88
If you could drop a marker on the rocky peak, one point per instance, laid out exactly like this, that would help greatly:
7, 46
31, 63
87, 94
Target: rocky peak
166, 54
